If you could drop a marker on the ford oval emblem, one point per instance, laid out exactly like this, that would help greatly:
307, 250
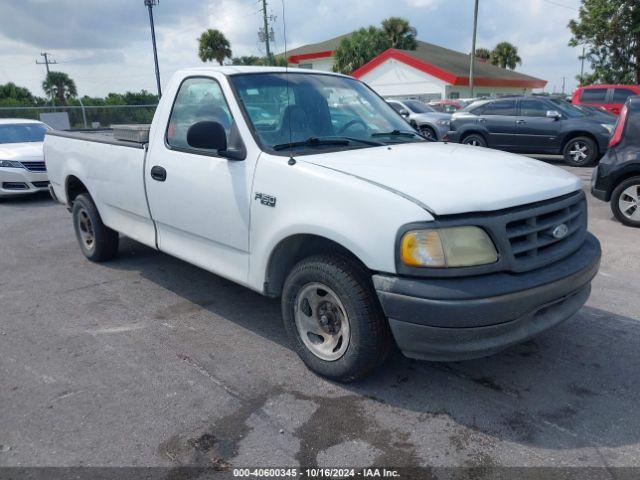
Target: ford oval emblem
560, 231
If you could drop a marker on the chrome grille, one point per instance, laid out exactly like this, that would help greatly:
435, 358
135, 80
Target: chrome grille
34, 166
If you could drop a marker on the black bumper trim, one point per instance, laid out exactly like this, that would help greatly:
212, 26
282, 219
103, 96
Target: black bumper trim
447, 318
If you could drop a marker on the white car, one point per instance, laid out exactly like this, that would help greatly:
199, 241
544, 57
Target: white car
22, 168
309, 187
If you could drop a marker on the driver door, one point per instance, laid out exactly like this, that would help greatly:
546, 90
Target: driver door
199, 200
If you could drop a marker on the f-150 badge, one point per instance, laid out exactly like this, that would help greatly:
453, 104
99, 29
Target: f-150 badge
265, 199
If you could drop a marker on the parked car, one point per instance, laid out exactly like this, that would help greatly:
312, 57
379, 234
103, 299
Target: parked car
447, 106
533, 125
22, 169
368, 233
432, 124
609, 97
617, 177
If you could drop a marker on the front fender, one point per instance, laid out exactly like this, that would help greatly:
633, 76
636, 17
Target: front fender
311, 200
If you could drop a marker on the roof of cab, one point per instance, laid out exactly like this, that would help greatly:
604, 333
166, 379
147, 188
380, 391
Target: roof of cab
14, 121
240, 69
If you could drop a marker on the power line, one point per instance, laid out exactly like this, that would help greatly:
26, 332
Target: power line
561, 5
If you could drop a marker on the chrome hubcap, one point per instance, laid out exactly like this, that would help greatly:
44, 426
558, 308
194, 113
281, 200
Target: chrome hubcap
322, 321
85, 227
579, 151
629, 202
474, 142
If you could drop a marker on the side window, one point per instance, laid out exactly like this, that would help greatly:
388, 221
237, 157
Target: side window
502, 107
533, 108
396, 106
594, 95
620, 95
198, 100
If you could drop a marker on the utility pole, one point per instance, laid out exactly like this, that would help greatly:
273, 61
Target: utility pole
47, 62
563, 84
266, 34
150, 4
582, 66
473, 48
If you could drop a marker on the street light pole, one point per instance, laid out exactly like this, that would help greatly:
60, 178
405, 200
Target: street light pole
473, 48
150, 4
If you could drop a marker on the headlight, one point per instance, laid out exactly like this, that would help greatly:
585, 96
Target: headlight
10, 164
447, 247
608, 127
443, 122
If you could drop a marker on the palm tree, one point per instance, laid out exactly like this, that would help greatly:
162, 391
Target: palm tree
358, 48
400, 33
213, 45
59, 85
505, 55
483, 54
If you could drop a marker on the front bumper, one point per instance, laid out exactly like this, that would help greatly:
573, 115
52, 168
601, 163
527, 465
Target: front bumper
20, 181
447, 319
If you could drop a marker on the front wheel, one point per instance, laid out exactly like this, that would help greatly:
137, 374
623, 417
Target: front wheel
625, 202
429, 133
333, 318
580, 152
98, 242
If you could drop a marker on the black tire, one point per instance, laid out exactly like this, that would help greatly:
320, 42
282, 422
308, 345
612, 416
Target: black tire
428, 132
98, 242
474, 139
580, 152
369, 338
615, 202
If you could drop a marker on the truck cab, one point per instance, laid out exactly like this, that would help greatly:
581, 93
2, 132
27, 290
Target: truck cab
309, 187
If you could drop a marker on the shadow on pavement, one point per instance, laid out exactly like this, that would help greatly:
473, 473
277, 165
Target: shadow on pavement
571, 387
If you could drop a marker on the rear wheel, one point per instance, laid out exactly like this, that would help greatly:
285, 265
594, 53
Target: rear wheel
333, 317
580, 152
98, 242
625, 202
474, 139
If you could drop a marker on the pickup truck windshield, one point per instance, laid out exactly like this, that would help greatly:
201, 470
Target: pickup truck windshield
22, 132
316, 112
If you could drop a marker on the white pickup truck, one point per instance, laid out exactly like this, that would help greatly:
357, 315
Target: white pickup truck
308, 186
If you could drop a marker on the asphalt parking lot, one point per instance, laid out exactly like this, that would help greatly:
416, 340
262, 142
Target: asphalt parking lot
148, 360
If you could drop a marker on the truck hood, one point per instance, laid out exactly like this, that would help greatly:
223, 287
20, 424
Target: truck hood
21, 151
451, 178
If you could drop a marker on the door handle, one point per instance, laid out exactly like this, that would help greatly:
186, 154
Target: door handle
481, 120
520, 122
158, 173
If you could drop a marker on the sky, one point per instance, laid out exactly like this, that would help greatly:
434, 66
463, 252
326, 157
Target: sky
105, 46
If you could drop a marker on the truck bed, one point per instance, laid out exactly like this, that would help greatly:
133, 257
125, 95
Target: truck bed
105, 135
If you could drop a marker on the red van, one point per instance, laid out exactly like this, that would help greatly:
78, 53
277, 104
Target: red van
609, 97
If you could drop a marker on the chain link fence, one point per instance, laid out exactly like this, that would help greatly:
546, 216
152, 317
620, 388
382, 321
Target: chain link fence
89, 116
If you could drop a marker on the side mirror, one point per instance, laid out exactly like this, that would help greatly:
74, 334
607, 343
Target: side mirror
207, 136
553, 114
404, 113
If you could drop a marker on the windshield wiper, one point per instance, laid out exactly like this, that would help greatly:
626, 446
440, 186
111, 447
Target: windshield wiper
324, 141
311, 142
397, 133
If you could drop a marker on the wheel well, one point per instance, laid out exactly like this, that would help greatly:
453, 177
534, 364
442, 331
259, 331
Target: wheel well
624, 176
293, 249
472, 132
74, 188
572, 135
